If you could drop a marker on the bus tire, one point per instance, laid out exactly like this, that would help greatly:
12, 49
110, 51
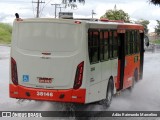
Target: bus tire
136, 75
109, 94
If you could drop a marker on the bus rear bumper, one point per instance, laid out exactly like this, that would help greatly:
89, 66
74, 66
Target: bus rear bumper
69, 95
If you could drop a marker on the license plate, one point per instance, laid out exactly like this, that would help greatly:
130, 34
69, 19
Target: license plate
44, 94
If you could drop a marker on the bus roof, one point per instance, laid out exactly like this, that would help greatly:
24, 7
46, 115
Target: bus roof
93, 22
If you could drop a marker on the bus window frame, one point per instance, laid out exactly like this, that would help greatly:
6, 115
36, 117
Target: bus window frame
103, 31
111, 44
90, 47
134, 42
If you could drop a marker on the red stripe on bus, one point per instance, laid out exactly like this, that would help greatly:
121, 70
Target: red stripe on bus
69, 95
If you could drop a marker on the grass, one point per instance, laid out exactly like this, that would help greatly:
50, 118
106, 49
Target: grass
156, 41
5, 33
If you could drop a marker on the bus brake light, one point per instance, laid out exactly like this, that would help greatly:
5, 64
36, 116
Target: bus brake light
77, 22
79, 76
14, 75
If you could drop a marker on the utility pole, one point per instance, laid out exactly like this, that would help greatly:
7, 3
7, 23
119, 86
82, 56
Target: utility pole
38, 3
55, 9
93, 13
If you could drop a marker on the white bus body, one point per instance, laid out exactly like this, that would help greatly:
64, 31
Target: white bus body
50, 61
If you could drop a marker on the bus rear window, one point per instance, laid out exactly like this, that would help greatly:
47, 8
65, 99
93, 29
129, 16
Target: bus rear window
48, 37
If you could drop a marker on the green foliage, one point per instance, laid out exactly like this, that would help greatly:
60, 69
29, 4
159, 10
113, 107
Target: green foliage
156, 41
157, 28
5, 33
144, 23
116, 15
155, 2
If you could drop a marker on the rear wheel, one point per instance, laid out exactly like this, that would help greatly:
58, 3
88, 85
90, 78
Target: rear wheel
136, 75
109, 94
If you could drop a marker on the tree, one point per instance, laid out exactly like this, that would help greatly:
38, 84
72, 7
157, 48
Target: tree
144, 23
155, 2
157, 28
116, 15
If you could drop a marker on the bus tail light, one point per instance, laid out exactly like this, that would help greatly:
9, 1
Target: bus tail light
77, 22
79, 76
14, 75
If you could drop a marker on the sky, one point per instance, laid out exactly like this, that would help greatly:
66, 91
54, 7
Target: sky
137, 9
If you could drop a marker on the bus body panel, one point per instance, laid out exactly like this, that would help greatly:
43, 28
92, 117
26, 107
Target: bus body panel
102, 71
38, 72
99, 89
106, 69
132, 63
45, 66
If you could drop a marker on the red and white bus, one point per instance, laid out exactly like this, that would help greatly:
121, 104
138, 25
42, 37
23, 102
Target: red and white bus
77, 61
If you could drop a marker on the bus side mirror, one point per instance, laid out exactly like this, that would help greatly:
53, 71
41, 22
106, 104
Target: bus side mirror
146, 40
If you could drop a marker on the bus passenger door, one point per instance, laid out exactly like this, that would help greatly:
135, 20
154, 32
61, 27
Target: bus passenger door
128, 58
121, 61
131, 57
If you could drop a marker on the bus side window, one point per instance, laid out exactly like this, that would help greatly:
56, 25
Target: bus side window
137, 39
110, 44
132, 44
93, 46
115, 44
113, 40
104, 45
128, 47
127, 43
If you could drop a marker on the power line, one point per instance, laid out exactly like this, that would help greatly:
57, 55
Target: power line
38, 6
46, 5
61, 8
